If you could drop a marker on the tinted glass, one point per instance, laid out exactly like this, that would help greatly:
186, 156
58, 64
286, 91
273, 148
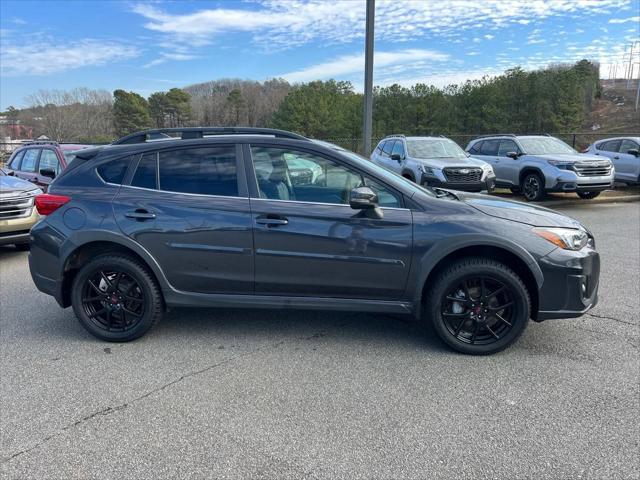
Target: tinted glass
610, 146
507, 146
398, 148
114, 171
475, 148
490, 147
204, 171
30, 160
49, 159
627, 145
15, 163
147, 172
387, 146
326, 181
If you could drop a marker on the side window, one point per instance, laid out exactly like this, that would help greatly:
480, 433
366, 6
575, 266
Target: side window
203, 171
476, 147
507, 146
627, 145
398, 148
386, 148
146, 175
490, 147
49, 159
30, 160
378, 149
15, 163
114, 171
327, 181
609, 146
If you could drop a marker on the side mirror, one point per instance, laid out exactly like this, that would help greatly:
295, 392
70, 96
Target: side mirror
363, 198
48, 172
11, 173
513, 155
634, 152
396, 156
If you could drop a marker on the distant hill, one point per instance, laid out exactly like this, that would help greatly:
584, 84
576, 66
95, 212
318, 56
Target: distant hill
614, 111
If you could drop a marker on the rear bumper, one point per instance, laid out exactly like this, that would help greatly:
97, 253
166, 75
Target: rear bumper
487, 184
571, 281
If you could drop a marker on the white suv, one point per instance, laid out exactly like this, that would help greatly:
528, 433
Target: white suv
434, 162
624, 153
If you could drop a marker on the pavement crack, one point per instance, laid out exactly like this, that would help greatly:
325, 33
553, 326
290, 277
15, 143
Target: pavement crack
605, 317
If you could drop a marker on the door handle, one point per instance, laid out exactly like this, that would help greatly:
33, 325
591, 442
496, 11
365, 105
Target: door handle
140, 214
271, 220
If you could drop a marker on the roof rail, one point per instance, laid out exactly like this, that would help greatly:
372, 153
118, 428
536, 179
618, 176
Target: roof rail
496, 135
188, 133
39, 142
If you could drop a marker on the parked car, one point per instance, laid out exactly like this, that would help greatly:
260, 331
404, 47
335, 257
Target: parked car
17, 211
624, 153
40, 161
433, 161
133, 228
536, 164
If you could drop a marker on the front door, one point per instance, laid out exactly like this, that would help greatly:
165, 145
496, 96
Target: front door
189, 208
627, 165
310, 242
509, 167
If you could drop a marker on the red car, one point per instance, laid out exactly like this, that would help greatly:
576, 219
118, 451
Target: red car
39, 161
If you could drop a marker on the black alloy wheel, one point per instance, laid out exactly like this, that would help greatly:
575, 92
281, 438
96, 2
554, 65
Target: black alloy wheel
533, 187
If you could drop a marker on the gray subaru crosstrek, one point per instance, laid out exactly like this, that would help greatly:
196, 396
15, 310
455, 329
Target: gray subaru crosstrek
212, 218
536, 164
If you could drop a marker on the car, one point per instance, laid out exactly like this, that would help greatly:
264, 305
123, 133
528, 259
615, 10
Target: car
39, 161
624, 153
536, 164
433, 161
17, 210
134, 228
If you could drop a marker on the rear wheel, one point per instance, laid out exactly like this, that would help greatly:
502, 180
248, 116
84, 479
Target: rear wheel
116, 298
533, 187
478, 306
588, 195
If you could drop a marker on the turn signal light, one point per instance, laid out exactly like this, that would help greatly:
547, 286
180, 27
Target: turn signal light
46, 203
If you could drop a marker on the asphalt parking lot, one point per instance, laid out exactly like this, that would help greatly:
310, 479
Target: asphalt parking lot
270, 394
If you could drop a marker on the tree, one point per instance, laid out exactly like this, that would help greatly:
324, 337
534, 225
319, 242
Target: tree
158, 108
235, 104
130, 113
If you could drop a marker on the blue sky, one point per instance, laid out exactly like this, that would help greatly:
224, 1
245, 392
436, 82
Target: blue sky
151, 46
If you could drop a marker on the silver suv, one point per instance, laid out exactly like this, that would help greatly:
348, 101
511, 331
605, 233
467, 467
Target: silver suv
434, 162
536, 164
624, 152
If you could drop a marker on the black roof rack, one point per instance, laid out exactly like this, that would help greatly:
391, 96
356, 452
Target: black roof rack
39, 142
395, 135
496, 135
187, 133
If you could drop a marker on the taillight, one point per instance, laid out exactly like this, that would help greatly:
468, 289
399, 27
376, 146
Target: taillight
46, 203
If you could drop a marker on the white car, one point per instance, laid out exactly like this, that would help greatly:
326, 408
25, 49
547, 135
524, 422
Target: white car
623, 152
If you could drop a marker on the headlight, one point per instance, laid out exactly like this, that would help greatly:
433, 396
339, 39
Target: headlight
565, 238
562, 165
427, 170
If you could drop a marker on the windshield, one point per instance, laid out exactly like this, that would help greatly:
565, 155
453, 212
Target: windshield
434, 148
545, 146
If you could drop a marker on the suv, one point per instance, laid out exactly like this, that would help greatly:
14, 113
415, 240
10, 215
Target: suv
17, 212
40, 161
433, 161
536, 164
624, 153
213, 219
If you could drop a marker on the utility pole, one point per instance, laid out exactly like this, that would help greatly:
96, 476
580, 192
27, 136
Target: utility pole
368, 79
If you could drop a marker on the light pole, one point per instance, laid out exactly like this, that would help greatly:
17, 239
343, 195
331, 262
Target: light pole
368, 78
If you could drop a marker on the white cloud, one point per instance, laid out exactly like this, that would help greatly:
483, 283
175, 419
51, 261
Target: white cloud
476, 40
43, 57
489, 37
347, 65
625, 20
535, 41
166, 56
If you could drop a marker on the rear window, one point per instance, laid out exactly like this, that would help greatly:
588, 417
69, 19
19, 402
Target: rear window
610, 146
490, 147
203, 171
146, 175
114, 171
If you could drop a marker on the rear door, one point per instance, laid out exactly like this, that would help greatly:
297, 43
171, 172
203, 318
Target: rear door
310, 242
489, 153
189, 208
28, 169
510, 167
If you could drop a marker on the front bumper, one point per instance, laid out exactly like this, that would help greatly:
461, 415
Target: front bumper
16, 230
570, 285
487, 184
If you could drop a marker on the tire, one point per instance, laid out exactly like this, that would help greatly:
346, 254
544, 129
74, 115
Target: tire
515, 190
22, 247
533, 187
116, 298
467, 326
588, 195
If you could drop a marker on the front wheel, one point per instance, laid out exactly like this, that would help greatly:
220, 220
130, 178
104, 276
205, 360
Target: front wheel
116, 298
588, 195
533, 187
478, 306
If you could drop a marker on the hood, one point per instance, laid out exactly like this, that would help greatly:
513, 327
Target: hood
573, 157
10, 186
452, 162
518, 211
